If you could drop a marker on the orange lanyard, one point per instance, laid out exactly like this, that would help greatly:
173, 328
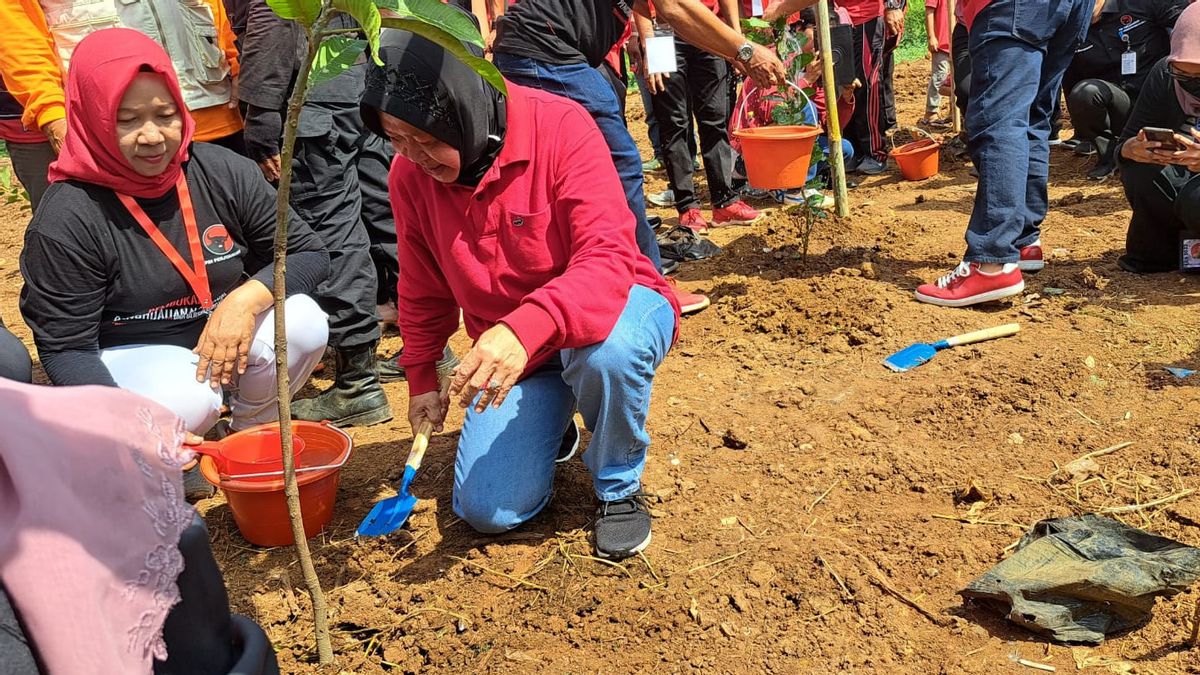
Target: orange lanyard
196, 275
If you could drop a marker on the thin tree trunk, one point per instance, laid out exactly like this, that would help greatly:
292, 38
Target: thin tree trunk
290, 489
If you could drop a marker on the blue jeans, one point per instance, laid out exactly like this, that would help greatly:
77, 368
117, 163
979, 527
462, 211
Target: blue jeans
589, 88
505, 465
1019, 51
810, 117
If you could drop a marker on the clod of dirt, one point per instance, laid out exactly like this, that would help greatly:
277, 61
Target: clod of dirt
1094, 280
1072, 199
919, 200
731, 441
1016, 438
1082, 469
972, 493
761, 574
868, 270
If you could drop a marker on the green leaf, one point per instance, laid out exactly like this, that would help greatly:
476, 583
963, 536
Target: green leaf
483, 67
5, 178
304, 11
336, 55
755, 22
367, 15
436, 14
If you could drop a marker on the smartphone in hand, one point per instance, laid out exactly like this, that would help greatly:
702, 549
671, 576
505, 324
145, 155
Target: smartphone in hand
1164, 136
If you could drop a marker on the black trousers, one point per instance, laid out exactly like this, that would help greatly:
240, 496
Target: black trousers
960, 52
15, 363
327, 194
375, 156
1165, 202
869, 122
887, 86
699, 87
1099, 110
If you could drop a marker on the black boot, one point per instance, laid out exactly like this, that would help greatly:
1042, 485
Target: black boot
355, 399
390, 369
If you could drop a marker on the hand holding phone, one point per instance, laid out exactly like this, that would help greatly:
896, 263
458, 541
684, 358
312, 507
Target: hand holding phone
1164, 137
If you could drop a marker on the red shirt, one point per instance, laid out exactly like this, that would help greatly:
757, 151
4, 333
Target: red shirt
861, 11
12, 131
971, 9
941, 23
545, 244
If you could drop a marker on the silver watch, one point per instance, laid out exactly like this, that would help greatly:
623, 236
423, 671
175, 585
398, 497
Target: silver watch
745, 52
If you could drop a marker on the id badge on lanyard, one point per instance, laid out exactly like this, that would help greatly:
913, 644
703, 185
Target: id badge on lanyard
1129, 59
660, 52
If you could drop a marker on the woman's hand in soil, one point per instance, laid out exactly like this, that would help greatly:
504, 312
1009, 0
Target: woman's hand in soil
224, 346
428, 407
1145, 151
492, 366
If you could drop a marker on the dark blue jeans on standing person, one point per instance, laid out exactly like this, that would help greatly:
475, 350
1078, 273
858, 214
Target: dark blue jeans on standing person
1019, 52
587, 86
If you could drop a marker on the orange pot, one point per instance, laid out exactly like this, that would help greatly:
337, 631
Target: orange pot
918, 160
777, 158
258, 504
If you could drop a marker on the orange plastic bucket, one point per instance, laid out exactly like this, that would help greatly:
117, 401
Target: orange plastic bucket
777, 158
258, 505
918, 160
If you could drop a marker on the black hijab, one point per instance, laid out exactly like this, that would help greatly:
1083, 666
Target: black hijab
424, 85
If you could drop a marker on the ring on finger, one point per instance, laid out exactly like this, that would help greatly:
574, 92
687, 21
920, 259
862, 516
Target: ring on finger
494, 385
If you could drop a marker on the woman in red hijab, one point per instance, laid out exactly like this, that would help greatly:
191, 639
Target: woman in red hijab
147, 264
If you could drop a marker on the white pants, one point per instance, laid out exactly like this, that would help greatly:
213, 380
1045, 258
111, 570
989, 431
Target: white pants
166, 374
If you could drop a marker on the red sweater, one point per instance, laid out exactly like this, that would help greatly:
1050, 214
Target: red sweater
545, 244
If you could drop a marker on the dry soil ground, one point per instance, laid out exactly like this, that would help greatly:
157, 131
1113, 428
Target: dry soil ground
797, 478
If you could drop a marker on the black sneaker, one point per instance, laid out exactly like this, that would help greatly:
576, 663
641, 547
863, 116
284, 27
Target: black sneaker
870, 166
570, 443
622, 527
390, 369
1102, 171
1085, 149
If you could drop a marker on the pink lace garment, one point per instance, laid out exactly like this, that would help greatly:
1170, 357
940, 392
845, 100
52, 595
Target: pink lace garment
91, 510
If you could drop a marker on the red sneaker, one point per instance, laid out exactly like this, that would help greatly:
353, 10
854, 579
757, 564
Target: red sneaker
689, 303
1031, 257
968, 285
737, 213
693, 220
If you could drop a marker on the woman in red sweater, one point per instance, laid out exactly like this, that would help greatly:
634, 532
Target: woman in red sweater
510, 208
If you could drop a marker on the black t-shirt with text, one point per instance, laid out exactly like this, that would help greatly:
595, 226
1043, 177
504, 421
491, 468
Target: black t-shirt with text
94, 279
562, 31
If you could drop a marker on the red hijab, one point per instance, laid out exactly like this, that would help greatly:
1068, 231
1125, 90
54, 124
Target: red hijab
102, 68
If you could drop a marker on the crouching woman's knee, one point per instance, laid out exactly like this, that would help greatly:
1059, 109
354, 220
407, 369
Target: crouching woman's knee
494, 513
307, 325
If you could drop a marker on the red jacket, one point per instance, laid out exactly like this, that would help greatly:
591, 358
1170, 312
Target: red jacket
545, 244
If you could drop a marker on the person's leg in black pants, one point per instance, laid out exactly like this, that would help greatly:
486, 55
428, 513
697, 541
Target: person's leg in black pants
887, 86
374, 160
15, 363
961, 54
1152, 241
865, 130
327, 194
1099, 110
698, 86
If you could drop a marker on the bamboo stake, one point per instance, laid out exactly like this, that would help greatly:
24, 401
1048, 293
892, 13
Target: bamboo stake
955, 115
291, 489
837, 162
